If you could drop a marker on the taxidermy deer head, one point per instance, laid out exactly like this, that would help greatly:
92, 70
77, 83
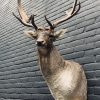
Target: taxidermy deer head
45, 35
65, 79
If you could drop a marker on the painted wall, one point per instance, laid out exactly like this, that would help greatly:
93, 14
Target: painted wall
20, 77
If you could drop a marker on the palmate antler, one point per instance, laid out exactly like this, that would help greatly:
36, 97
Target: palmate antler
24, 19
66, 17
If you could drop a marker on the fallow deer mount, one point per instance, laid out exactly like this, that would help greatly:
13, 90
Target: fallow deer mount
65, 79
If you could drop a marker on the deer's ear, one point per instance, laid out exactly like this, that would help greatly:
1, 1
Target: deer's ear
31, 34
60, 33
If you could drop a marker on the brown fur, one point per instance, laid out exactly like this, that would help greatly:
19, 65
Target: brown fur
65, 79
52, 65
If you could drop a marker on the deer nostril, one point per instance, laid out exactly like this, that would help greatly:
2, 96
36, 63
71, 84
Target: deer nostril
39, 43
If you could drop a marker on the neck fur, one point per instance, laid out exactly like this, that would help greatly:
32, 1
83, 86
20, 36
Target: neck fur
50, 62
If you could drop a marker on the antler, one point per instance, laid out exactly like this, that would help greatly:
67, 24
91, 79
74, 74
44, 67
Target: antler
66, 17
50, 24
24, 18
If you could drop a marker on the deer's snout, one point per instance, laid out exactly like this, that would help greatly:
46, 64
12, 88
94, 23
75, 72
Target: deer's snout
40, 43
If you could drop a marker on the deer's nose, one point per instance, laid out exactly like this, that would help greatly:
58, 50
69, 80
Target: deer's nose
39, 43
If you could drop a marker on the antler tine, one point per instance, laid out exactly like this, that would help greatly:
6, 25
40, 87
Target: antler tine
51, 26
74, 6
23, 22
79, 6
24, 18
33, 23
68, 15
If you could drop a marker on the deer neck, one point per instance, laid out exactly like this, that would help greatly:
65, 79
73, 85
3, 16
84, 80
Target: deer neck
50, 62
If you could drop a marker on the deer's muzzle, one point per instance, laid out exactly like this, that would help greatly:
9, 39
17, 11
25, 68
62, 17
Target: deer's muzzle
40, 43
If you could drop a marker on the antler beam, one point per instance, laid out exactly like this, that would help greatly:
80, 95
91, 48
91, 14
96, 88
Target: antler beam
68, 15
24, 19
